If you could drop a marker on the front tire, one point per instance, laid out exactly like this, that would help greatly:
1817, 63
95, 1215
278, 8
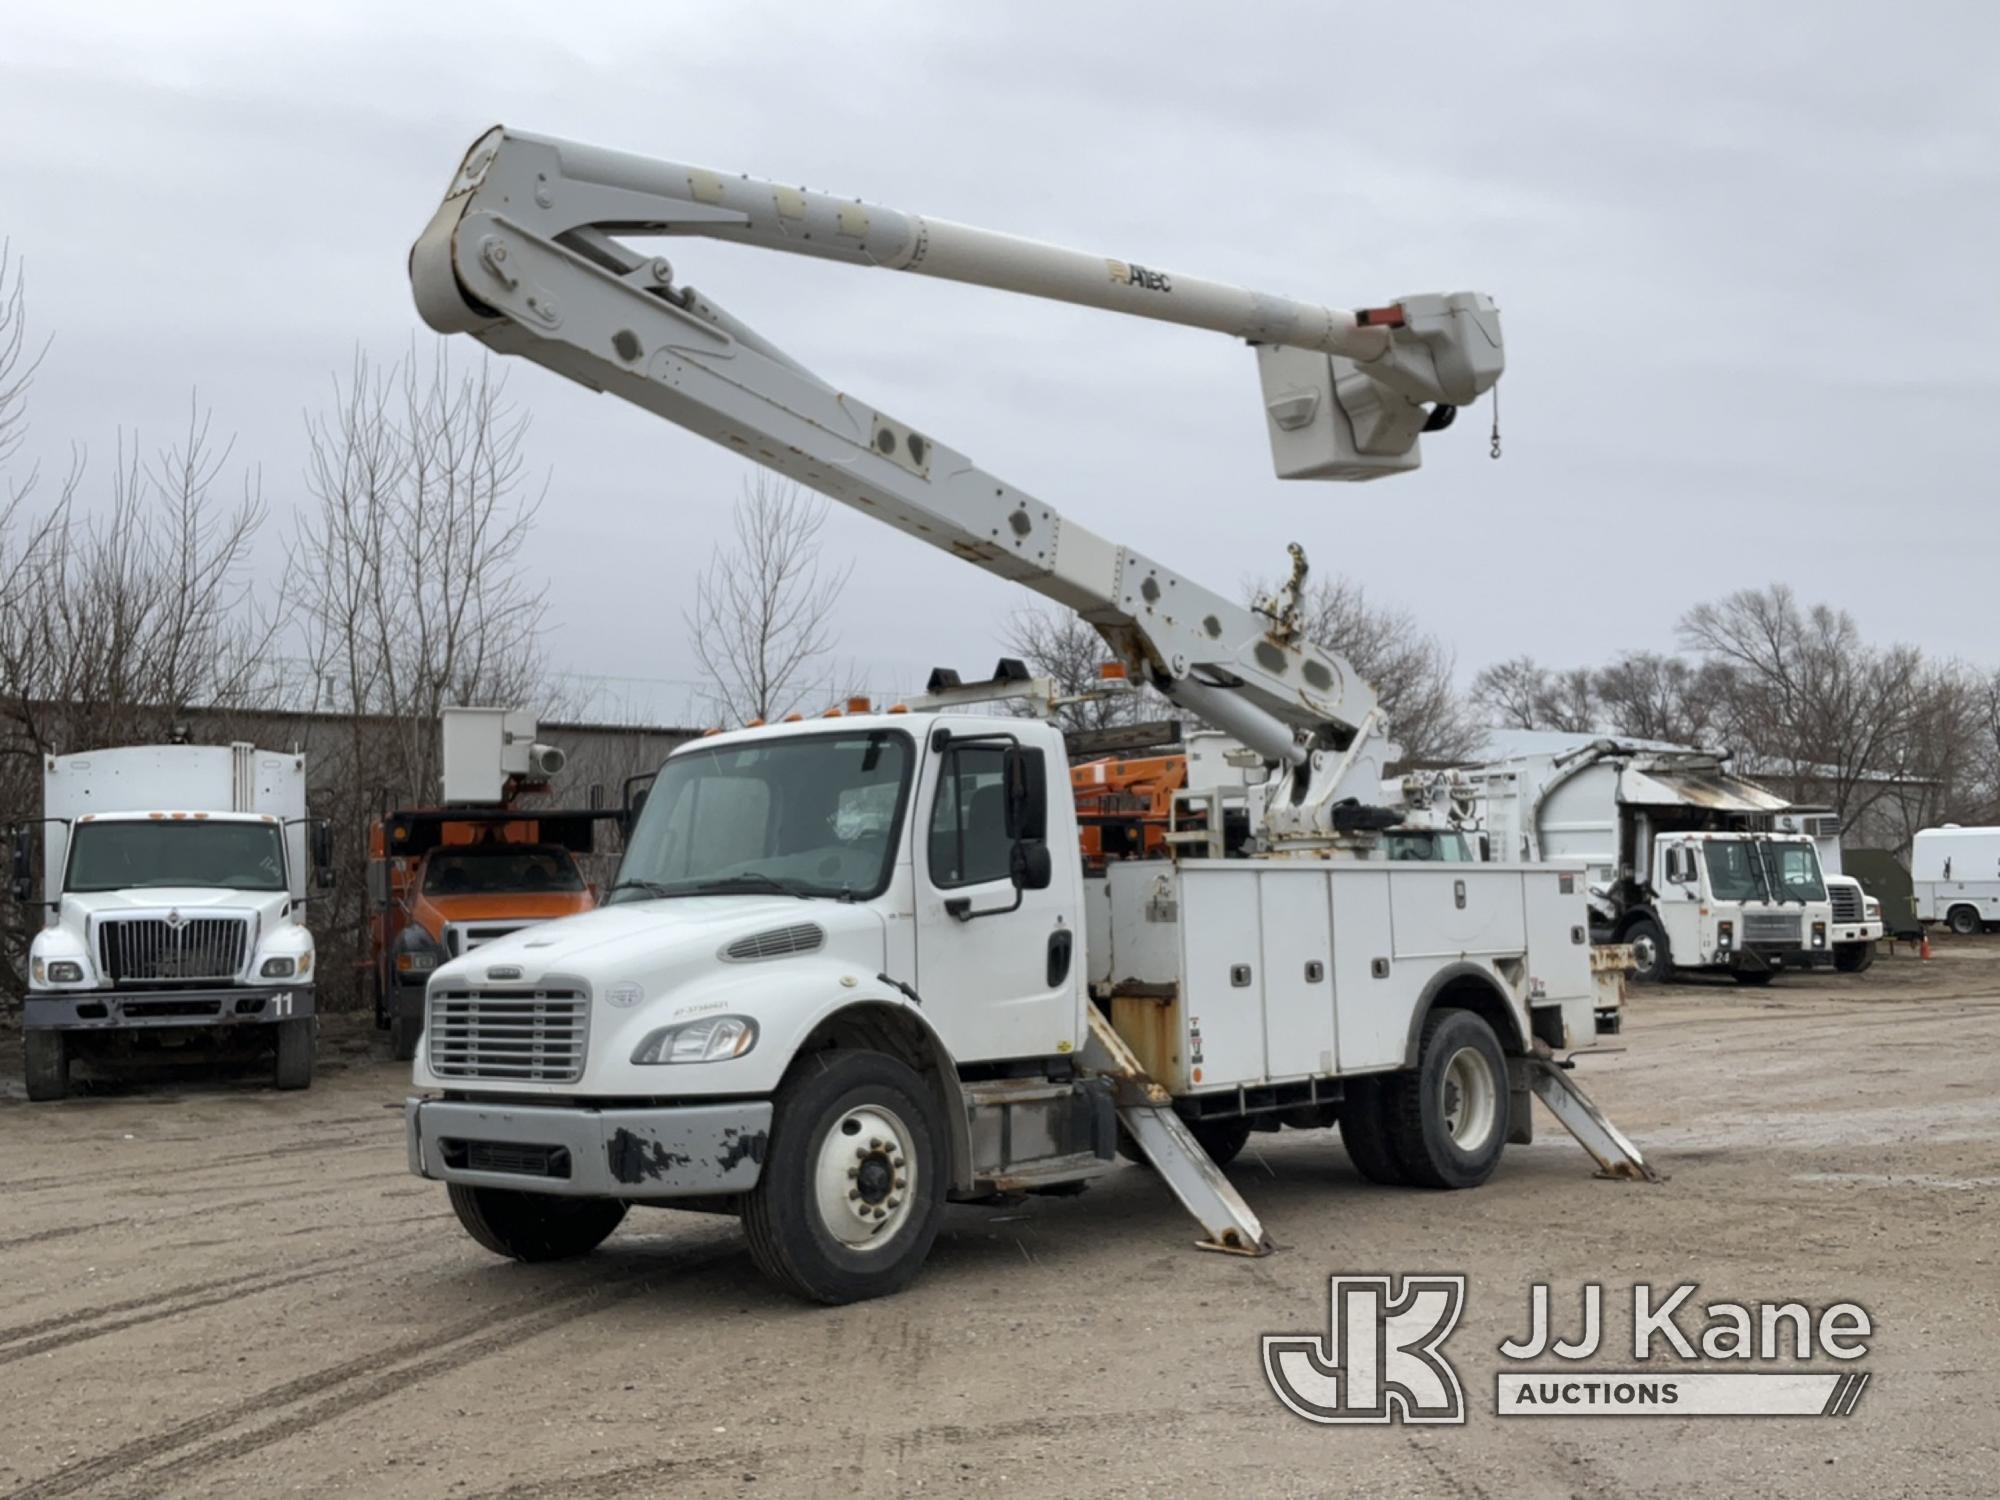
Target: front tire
1449, 1125
1656, 960
1964, 920
294, 1066
534, 1227
404, 1034
854, 1180
46, 1064
1853, 958
1755, 977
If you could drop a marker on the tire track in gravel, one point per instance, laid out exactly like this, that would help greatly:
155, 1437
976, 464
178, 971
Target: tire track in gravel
65, 1231
51, 1181
180, 1451
50, 1334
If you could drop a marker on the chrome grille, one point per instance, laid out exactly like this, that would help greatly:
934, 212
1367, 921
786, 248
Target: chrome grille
153, 950
519, 1036
802, 937
1846, 901
463, 937
1772, 927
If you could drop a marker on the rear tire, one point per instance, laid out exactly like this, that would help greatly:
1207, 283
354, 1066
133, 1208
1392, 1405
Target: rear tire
1449, 1125
294, 1066
1852, 958
46, 1064
1656, 960
1221, 1139
1964, 920
1365, 1111
854, 1179
534, 1227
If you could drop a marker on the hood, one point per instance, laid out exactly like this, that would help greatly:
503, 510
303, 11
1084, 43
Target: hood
172, 898
639, 939
506, 906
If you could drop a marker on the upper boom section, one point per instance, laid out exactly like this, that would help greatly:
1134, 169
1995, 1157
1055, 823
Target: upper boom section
524, 253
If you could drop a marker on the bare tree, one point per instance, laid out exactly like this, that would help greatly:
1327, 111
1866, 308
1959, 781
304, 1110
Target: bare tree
1520, 693
409, 573
1810, 701
17, 363
762, 622
1652, 697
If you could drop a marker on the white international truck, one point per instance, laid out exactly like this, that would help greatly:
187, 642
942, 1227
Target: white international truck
1857, 916
851, 967
1955, 872
1679, 856
174, 880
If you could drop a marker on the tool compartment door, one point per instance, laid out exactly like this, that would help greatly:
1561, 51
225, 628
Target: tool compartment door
1452, 910
1553, 904
1222, 974
1297, 950
1372, 997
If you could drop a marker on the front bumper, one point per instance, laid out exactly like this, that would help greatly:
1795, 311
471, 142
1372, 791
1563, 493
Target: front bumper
688, 1151
1776, 958
124, 1010
1857, 932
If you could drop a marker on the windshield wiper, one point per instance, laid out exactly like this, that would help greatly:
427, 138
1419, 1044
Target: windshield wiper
743, 880
650, 887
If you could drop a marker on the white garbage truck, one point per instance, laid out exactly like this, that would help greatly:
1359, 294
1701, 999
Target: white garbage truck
1680, 857
852, 967
174, 882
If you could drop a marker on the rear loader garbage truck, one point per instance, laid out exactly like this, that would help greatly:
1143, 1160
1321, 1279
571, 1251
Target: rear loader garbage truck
856, 966
174, 884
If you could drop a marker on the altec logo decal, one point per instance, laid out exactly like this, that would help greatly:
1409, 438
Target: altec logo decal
1131, 273
1382, 1359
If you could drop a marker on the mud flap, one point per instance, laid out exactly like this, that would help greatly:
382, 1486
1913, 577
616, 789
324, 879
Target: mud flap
1147, 1112
1556, 1086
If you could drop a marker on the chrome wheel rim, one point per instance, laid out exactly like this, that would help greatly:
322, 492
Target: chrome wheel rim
865, 1180
1471, 1099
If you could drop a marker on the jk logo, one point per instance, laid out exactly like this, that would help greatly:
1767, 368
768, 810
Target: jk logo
1379, 1361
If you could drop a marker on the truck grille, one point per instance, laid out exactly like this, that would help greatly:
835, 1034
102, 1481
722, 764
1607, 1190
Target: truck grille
1772, 927
141, 950
520, 1036
463, 937
1846, 902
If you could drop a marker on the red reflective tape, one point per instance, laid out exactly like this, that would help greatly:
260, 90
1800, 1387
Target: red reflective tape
1381, 317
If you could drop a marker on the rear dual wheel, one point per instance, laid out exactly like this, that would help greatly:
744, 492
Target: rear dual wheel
1441, 1125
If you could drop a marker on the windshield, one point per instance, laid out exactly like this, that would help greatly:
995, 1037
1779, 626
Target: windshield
1445, 848
1792, 870
815, 815
477, 871
119, 856
1733, 870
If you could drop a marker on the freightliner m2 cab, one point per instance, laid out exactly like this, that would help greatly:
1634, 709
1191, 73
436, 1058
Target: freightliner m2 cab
854, 968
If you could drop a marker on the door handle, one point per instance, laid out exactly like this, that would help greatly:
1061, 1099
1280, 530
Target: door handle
1061, 945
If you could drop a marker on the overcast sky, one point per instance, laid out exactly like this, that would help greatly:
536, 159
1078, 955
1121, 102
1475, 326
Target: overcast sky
1747, 258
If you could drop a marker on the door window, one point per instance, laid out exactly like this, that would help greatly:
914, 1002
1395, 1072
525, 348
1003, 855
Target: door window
968, 838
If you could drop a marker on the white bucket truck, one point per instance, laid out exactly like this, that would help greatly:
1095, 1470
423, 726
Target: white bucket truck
174, 880
1678, 855
852, 967
1955, 872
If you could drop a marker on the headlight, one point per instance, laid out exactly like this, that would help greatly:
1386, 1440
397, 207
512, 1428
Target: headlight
279, 968
1873, 908
62, 971
1725, 934
415, 963
707, 1040
1819, 934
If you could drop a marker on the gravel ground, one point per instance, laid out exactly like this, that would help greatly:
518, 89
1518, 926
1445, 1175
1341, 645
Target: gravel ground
215, 1289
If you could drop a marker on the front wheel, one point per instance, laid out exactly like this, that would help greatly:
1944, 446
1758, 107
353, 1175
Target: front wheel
1450, 1120
47, 1064
1752, 976
1852, 958
534, 1226
404, 1033
854, 1180
1649, 945
1964, 920
293, 1068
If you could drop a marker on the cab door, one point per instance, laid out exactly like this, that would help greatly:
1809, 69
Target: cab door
999, 968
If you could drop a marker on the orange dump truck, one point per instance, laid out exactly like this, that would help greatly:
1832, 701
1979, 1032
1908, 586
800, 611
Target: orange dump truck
442, 881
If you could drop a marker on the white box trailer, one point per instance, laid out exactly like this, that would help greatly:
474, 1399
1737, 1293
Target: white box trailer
174, 878
1955, 873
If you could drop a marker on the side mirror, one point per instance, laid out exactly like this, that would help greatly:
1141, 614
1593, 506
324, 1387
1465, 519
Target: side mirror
1027, 797
322, 854
1030, 865
378, 882
24, 866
